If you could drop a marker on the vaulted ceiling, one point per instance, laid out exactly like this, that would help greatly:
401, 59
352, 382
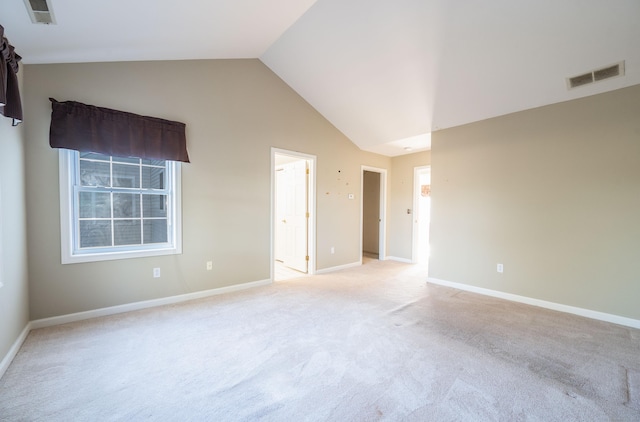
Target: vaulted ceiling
386, 73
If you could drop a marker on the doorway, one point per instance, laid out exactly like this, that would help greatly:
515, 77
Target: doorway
293, 214
422, 214
372, 207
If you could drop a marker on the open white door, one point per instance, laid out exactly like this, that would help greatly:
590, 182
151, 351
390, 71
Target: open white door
293, 233
280, 225
421, 214
295, 214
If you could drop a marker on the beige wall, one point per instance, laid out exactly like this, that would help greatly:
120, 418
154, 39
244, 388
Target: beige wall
371, 212
401, 196
552, 193
14, 305
235, 111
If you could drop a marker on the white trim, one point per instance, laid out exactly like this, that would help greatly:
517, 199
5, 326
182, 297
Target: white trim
311, 236
382, 248
79, 316
113, 310
13, 351
398, 259
66, 181
601, 316
66, 205
135, 306
339, 268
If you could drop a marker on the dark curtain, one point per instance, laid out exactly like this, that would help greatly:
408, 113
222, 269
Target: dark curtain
83, 127
10, 104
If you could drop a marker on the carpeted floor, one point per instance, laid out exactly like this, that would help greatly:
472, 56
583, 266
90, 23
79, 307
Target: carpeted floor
371, 343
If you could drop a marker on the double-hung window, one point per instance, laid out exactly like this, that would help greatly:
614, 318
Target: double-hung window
118, 207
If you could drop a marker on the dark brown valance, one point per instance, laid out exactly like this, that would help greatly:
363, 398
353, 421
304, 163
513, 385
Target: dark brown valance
89, 128
10, 104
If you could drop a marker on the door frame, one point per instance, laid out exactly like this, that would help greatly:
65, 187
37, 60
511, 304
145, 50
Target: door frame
311, 205
416, 211
382, 241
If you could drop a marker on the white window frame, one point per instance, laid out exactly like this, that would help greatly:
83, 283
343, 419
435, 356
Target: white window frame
69, 255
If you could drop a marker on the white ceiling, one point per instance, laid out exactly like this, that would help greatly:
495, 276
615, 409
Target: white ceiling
384, 72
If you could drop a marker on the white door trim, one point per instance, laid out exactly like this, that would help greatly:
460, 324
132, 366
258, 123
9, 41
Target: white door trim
416, 211
382, 254
311, 239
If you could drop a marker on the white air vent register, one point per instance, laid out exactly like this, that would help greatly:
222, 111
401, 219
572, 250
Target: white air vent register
596, 75
40, 11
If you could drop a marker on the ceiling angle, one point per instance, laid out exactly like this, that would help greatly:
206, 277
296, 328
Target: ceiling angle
40, 11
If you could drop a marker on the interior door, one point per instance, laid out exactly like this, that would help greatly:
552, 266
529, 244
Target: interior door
280, 223
423, 215
295, 181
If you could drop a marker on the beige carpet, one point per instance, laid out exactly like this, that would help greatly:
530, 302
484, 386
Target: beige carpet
372, 343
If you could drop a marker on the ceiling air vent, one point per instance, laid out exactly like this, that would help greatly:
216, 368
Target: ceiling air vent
40, 11
596, 75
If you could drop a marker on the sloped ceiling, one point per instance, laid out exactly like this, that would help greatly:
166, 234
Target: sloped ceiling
385, 73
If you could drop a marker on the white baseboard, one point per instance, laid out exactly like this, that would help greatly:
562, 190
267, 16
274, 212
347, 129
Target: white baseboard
398, 259
601, 316
13, 351
338, 268
112, 310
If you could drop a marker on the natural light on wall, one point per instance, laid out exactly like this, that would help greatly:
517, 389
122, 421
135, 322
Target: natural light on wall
406, 145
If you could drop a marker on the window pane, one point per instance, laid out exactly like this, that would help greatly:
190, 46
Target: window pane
95, 233
119, 207
155, 231
126, 160
95, 205
154, 205
153, 177
94, 173
125, 176
126, 205
126, 232
94, 156
153, 162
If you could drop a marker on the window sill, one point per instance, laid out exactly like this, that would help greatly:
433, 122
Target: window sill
112, 256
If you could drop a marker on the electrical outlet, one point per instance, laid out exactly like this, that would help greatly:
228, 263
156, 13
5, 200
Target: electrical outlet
500, 268
333, 250
156, 272
209, 265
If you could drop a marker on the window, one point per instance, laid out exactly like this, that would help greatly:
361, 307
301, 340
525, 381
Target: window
118, 207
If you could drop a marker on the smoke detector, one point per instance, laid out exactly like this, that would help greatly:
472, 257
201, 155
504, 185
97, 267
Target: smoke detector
597, 75
40, 11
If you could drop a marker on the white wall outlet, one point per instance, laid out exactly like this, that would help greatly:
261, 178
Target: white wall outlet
500, 268
156, 272
209, 265
333, 250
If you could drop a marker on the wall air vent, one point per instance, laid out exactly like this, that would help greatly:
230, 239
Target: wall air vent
596, 75
607, 72
580, 80
40, 11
